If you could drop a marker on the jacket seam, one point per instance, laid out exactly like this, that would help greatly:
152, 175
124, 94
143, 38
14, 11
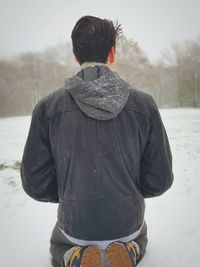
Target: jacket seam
132, 109
50, 116
96, 199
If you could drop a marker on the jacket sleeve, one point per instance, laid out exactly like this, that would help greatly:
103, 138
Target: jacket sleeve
156, 174
38, 172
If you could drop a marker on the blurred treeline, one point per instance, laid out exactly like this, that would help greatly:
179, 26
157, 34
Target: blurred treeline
174, 81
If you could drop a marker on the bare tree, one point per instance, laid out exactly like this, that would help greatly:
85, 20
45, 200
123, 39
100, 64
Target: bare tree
30, 76
134, 66
184, 59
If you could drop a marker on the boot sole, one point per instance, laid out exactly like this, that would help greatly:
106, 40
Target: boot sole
91, 257
118, 256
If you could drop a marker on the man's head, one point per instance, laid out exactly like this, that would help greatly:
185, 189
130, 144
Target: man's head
94, 40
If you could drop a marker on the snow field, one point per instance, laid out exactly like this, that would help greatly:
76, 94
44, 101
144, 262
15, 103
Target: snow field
173, 219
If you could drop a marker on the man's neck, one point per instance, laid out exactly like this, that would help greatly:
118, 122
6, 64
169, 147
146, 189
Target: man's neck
91, 64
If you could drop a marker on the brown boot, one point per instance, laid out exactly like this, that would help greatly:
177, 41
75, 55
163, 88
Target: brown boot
121, 254
89, 256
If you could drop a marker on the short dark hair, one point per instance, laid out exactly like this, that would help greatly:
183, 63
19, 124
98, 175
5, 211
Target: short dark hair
93, 37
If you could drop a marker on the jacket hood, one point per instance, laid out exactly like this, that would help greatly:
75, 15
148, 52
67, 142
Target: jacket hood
98, 91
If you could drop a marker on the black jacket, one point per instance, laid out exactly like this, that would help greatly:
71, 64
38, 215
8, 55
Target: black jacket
97, 147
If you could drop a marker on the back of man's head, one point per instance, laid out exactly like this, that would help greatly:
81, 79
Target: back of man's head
93, 37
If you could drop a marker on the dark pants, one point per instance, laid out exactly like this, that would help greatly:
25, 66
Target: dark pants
59, 244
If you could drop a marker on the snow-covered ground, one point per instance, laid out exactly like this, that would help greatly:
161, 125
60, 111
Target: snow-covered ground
173, 219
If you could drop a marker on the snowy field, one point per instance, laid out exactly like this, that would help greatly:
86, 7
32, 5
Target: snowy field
173, 219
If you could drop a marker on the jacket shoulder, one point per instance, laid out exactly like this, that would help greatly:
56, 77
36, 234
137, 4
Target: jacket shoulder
139, 101
54, 103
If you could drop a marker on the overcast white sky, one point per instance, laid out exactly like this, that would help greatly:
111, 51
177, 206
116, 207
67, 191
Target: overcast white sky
32, 25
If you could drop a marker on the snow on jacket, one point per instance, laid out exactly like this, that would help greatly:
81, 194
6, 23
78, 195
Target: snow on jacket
97, 147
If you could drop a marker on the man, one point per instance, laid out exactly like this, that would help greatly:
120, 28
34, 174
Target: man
97, 147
